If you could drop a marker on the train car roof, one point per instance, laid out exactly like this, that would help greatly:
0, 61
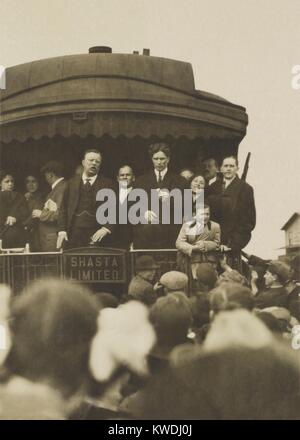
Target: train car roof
114, 94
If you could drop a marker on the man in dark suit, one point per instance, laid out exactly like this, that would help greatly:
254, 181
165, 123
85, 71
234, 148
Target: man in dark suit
232, 206
122, 237
159, 179
48, 216
77, 220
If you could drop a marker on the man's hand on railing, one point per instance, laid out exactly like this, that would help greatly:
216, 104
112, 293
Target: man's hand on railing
99, 234
10, 221
62, 236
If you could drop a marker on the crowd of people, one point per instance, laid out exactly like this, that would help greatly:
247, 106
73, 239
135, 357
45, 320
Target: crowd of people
223, 347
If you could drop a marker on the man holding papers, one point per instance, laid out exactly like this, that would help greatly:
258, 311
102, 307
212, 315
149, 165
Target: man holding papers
49, 214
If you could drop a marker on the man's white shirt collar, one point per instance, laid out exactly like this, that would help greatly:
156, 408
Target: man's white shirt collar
162, 173
91, 179
57, 182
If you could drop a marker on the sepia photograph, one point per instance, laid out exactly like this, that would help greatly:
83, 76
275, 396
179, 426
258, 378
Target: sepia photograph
149, 212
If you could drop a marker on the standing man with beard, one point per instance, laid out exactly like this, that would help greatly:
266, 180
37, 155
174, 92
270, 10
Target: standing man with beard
77, 220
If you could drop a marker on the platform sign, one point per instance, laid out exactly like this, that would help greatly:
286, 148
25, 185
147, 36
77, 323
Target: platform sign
95, 265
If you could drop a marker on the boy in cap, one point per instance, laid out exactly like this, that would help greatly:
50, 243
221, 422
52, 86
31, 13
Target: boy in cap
174, 281
141, 286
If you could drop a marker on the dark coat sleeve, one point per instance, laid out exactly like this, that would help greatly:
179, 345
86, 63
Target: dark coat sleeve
109, 184
62, 220
244, 219
19, 208
254, 260
36, 202
57, 196
4, 206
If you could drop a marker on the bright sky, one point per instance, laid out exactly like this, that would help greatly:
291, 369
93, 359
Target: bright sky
243, 50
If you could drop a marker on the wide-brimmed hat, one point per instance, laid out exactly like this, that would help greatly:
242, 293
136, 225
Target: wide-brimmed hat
146, 262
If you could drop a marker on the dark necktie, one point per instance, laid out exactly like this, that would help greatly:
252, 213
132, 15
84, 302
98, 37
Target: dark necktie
159, 177
223, 185
87, 183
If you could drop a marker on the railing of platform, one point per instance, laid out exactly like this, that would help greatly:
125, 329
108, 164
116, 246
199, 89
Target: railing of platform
19, 268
